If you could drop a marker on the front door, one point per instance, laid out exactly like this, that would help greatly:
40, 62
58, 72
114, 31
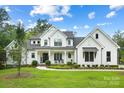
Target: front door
45, 57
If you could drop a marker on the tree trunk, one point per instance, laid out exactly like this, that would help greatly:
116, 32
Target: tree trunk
19, 62
19, 68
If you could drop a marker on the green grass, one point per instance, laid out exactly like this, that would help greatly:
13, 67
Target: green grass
62, 79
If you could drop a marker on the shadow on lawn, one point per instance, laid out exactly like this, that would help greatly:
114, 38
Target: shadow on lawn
15, 75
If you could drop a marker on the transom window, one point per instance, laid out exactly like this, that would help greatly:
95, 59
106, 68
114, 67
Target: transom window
45, 43
89, 56
33, 55
57, 42
57, 56
108, 56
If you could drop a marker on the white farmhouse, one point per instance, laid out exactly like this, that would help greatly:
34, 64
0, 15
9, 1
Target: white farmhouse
97, 48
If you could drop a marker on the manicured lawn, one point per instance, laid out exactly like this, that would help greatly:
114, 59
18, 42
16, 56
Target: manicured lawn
62, 79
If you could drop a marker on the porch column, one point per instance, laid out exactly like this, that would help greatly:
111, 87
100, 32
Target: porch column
65, 58
49, 55
75, 56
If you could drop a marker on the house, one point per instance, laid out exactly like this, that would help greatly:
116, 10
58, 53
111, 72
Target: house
97, 48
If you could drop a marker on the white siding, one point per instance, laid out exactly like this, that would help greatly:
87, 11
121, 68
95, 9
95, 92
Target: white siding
108, 46
89, 43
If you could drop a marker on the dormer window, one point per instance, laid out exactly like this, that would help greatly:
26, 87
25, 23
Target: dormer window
33, 42
38, 42
97, 36
45, 43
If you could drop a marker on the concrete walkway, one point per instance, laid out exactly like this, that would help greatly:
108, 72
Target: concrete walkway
45, 68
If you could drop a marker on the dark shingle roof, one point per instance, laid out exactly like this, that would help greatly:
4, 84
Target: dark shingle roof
77, 40
69, 34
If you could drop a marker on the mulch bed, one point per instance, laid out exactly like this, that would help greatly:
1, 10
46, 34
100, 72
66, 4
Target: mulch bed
15, 75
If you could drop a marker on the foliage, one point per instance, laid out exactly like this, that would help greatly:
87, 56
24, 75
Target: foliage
34, 63
114, 66
16, 53
122, 60
6, 34
3, 16
48, 63
69, 63
2, 55
121, 55
119, 38
2, 66
76, 66
41, 26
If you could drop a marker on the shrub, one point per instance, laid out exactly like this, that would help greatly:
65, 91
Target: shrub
34, 63
95, 66
122, 60
76, 66
2, 66
114, 66
88, 66
48, 63
74, 63
69, 63
83, 65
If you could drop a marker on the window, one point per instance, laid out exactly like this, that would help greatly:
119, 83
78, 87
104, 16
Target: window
89, 56
57, 42
57, 56
69, 42
38, 42
33, 55
33, 42
69, 55
45, 42
97, 36
108, 56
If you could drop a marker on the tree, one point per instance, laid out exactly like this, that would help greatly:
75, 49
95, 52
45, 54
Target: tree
3, 16
16, 52
3, 33
119, 38
7, 35
20, 35
42, 25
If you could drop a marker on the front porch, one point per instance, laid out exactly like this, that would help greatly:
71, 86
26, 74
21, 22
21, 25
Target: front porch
56, 56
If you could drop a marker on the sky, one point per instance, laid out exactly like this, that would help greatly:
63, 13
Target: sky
78, 18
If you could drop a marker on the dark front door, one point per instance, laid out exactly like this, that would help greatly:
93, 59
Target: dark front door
45, 57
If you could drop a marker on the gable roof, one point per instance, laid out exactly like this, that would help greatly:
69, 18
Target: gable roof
106, 35
10, 44
77, 40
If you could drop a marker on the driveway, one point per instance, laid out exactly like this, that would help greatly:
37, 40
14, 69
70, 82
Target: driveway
45, 68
